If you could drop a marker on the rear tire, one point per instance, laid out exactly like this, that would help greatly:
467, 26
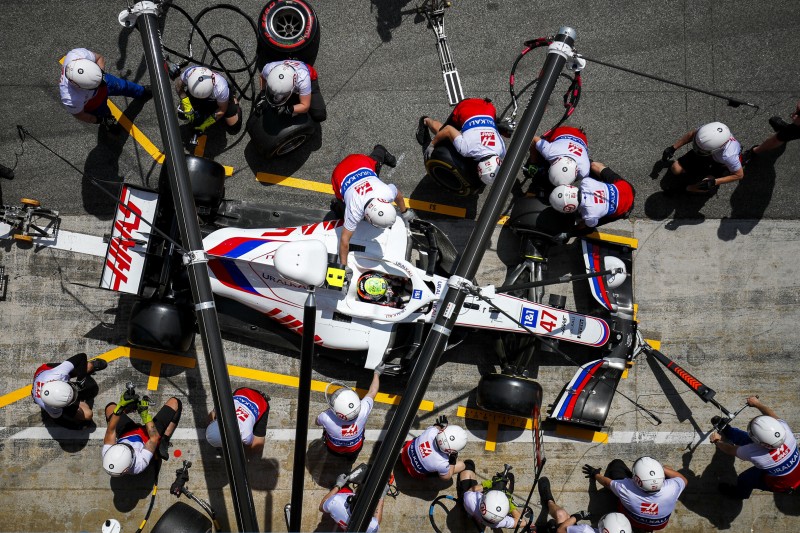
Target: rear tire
511, 395
161, 326
276, 136
452, 171
207, 178
182, 518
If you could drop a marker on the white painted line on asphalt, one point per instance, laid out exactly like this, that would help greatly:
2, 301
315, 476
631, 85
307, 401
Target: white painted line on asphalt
372, 435
66, 240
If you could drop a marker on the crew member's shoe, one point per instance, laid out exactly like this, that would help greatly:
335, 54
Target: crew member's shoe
748, 155
163, 448
544, 491
423, 133
777, 123
720, 422
98, 365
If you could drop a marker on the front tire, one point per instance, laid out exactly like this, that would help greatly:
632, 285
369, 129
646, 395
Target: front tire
511, 395
452, 171
182, 518
276, 136
161, 326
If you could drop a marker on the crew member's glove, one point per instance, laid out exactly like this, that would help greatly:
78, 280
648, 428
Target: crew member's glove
380, 368
707, 184
667, 154
561, 237
441, 421
285, 110
341, 481
143, 409
187, 111
124, 401
408, 215
260, 102
452, 458
429, 151
204, 125
590, 471
348, 275
577, 64
581, 515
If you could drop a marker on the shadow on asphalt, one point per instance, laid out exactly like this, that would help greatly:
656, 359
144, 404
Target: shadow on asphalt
701, 495
389, 16
287, 165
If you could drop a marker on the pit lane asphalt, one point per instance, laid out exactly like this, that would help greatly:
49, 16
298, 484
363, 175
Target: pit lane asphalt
720, 292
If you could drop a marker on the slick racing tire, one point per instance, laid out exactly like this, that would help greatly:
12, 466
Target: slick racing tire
288, 29
452, 171
511, 395
276, 136
161, 326
182, 518
537, 219
207, 178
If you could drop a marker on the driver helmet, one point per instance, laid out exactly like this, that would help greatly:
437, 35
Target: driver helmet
767, 431
118, 459
563, 171
84, 73
564, 198
451, 439
200, 83
345, 404
380, 213
58, 394
280, 84
213, 435
374, 287
711, 138
494, 506
614, 523
648, 474
488, 168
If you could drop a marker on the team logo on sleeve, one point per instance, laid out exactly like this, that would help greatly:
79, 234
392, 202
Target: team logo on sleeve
425, 449
574, 148
350, 431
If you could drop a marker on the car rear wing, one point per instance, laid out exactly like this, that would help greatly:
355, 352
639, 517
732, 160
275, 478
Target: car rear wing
130, 238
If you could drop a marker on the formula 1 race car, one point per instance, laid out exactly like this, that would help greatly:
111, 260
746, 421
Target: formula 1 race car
242, 241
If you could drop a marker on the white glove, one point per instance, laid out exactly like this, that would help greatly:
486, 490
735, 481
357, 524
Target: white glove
409, 215
341, 481
380, 369
577, 64
429, 151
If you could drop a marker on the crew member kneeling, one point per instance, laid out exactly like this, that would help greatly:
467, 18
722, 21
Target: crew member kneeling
435, 451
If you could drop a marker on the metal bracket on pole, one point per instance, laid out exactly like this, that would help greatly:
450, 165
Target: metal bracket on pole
127, 17
193, 257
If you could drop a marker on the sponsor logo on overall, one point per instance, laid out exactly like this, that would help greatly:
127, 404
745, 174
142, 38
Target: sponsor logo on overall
416, 294
649, 508
488, 138
575, 149
350, 431
425, 449
356, 176
242, 413
529, 316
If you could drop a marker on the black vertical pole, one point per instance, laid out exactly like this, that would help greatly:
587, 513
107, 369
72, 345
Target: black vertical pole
303, 399
450, 304
195, 261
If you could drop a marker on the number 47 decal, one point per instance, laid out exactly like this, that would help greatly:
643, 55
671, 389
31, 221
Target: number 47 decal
548, 321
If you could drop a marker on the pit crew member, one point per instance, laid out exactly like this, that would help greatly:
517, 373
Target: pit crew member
279, 80
647, 495
435, 451
57, 395
129, 447
343, 424
770, 445
472, 130
596, 201
715, 152
611, 522
205, 98
85, 88
489, 504
784, 132
339, 502
355, 183
566, 151
252, 414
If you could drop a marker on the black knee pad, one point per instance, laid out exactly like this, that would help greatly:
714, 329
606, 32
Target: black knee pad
469, 464
178, 412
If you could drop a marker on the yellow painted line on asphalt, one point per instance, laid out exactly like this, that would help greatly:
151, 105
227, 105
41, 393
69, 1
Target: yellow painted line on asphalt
616, 239
325, 188
136, 133
14, 396
581, 434
316, 385
494, 421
